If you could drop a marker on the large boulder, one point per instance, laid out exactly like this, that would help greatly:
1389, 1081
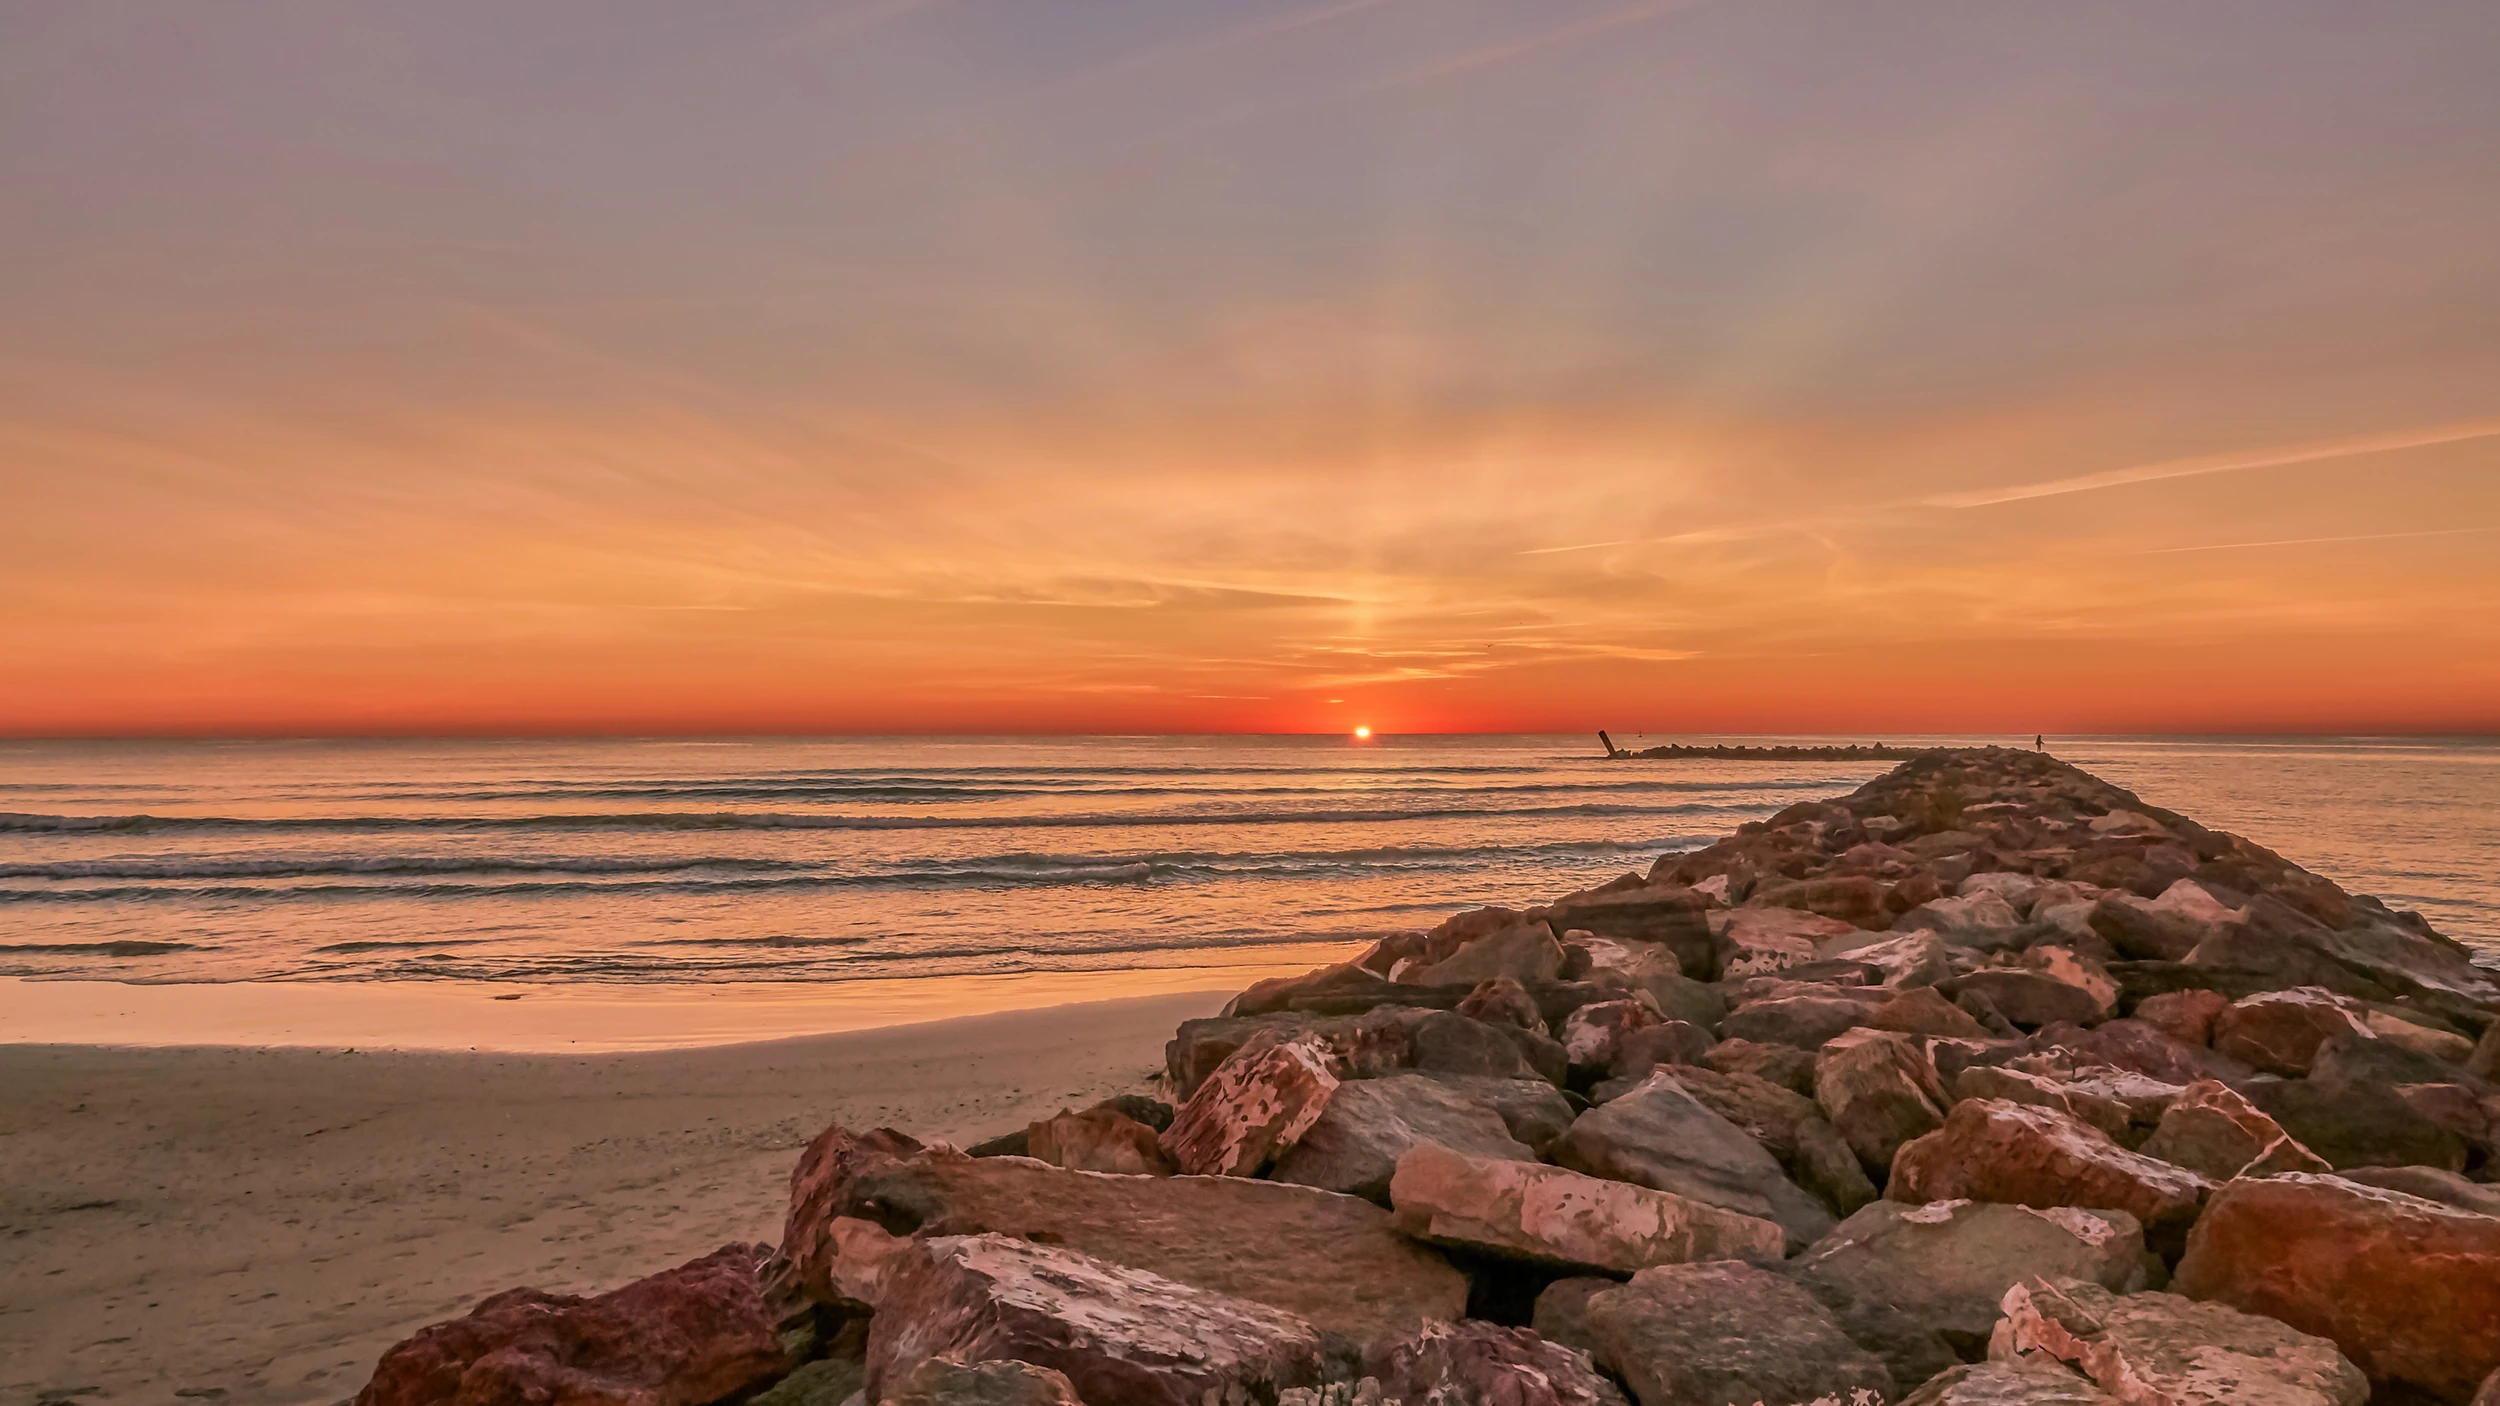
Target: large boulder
2185, 1016
1667, 914
1524, 952
2161, 1348
1992, 1150
1669, 1042
2034, 997
2134, 1045
1790, 1127
2011, 1383
1503, 1001
2279, 1032
1726, 1335
1253, 1108
1116, 1333
1329, 1258
1880, 1090
1660, 1136
1471, 1361
1535, 1112
684, 1337
1759, 941
1923, 1010
2358, 1123
2408, 1288
1446, 1042
1554, 1216
2354, 1055
1920, 1285
2431, 1184
2210, 1129
2044, 1091
1370, 1123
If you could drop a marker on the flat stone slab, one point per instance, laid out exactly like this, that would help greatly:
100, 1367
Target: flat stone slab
2164, 1350
1553, 1216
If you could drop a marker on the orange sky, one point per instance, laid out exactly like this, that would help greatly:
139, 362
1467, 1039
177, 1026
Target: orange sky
942, 365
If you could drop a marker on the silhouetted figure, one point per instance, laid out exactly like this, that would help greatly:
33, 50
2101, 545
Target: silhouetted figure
2039, 742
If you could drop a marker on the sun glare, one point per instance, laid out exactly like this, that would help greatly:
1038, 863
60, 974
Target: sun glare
1362, 733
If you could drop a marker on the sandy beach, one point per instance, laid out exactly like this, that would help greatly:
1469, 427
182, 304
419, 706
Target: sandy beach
256, 1225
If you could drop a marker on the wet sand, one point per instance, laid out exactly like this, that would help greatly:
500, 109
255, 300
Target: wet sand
242, 1226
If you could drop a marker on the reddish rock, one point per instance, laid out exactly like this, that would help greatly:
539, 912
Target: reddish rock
2408, 1288
1855, 899
2441, 1045
1669, 1042
2043, 1091
1880, 1091
1558, 1217
819, 1185
2431, 1184
1117, 1334
2279, 1031
2185, 1016
2132, 1044
1908, 960
2490, 1394
1923, 1010
2033, 997
942, 1381
685, 1337
1329, 1258
1470, 1361
2164, 1350
1253, 1108
1992, 1150
2359, 1123
2211, 1130
1097, 1140
2020, 1383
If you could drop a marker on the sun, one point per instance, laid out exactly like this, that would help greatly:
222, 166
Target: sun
1363, 733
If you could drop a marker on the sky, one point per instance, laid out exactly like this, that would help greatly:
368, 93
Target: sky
485, 366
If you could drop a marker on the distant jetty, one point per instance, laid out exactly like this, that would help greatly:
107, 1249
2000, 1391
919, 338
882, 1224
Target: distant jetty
1678, 752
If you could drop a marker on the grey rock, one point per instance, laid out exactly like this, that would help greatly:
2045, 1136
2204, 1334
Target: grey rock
1806, 1022
942, 1381
2352, 1055
1790, 1127
1535, 1112
825, 1382
1370, 1123
2009, 1384
1781, 1064
1724, 1334
1919, 1285
1661, 1137
2357, 1123
1526, 952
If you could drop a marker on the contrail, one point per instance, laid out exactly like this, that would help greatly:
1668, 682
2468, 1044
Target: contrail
2223, 464
2306, 541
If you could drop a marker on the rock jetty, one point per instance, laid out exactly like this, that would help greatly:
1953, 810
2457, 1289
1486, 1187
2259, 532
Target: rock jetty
1986, 1084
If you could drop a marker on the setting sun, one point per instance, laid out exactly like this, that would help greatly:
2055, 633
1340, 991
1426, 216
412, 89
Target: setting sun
1362, 734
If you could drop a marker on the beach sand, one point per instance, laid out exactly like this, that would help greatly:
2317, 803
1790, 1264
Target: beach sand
240, 1226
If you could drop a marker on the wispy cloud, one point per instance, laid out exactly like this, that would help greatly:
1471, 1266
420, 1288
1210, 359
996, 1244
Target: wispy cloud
2345, 448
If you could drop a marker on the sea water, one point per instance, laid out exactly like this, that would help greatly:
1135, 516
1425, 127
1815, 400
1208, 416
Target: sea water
834, 859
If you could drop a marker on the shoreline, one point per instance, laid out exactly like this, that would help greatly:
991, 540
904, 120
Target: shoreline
256, 1225
557, 1018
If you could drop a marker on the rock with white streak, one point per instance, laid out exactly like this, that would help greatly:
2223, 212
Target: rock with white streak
1117, 1334
1255, 1106
2212, 1130
1920, 1285
1553, 1216
1880, 1090
1759, 941
1593, 1034
2279, 1032
1991, 1150
2164, 1350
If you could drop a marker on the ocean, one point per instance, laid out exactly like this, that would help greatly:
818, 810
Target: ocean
821, 860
